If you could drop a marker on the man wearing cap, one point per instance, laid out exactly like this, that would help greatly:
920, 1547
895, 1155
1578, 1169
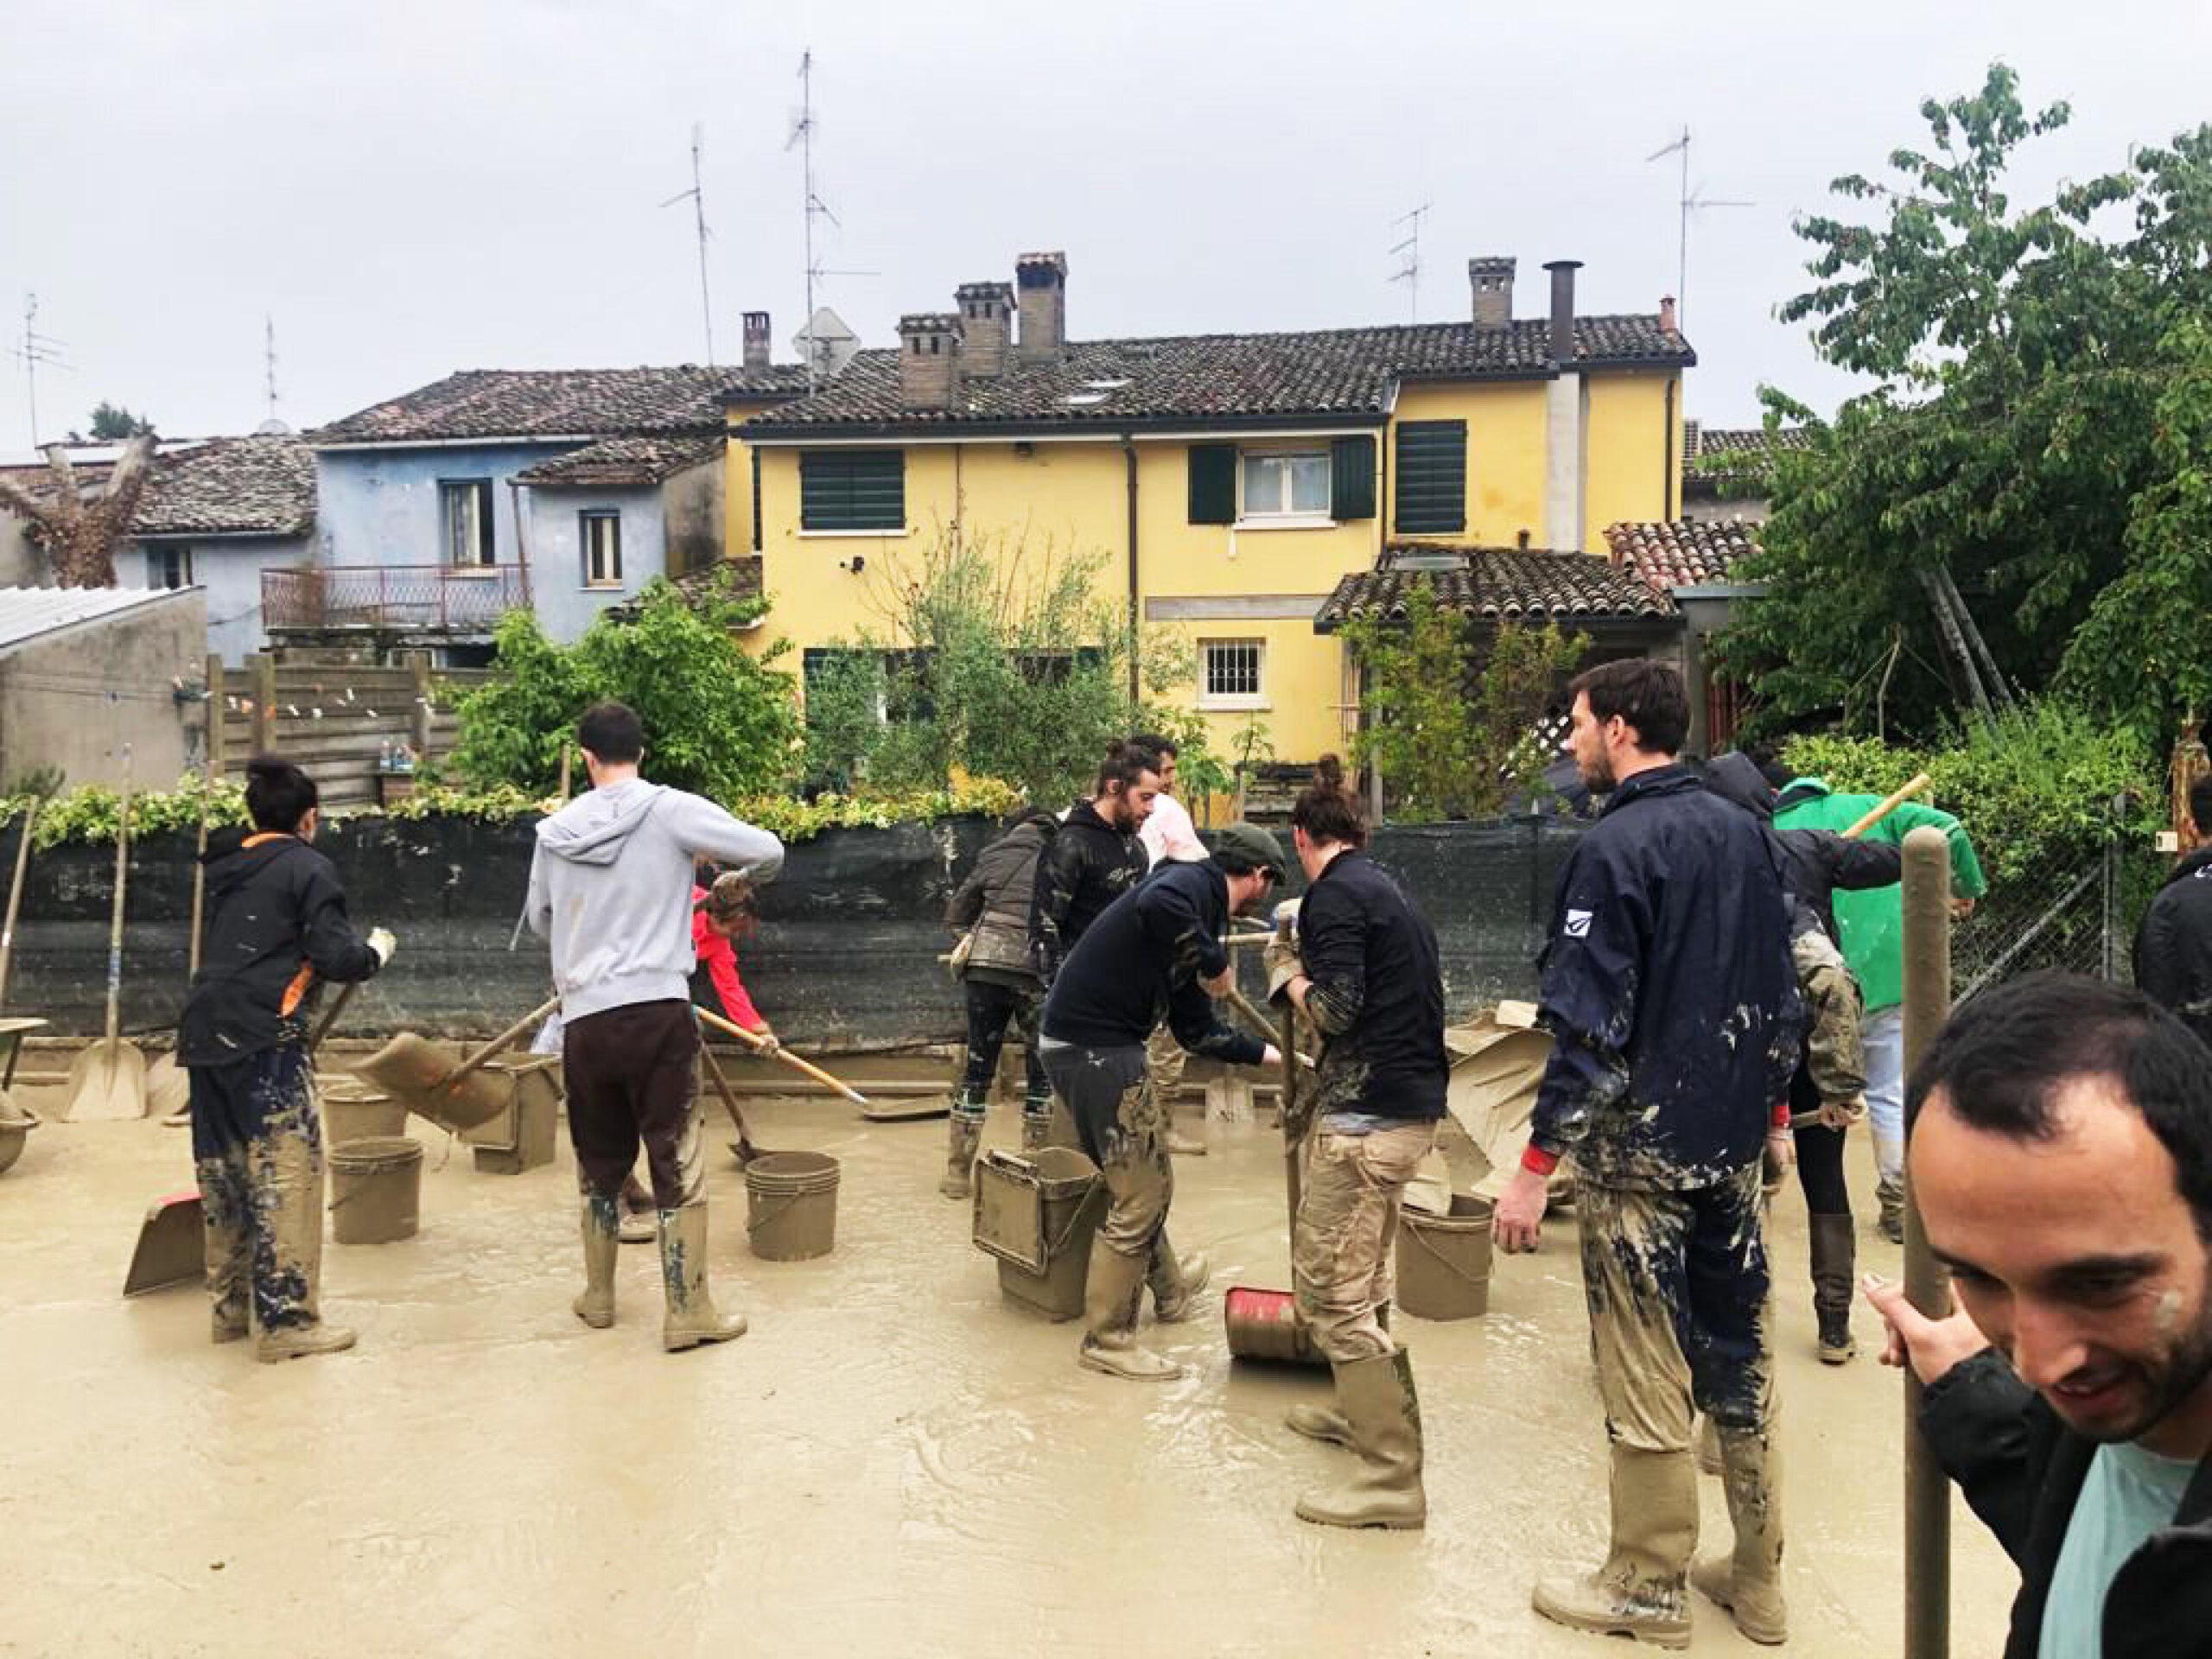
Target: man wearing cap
1157, 947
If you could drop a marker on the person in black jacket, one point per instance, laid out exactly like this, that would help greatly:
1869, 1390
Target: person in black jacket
1096, 857
1364, 970
276, 930
2173, 942
2060, 1150
996, 908
1157, 947
1673, 1006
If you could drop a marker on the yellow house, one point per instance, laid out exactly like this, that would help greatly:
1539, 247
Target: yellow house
1230, 480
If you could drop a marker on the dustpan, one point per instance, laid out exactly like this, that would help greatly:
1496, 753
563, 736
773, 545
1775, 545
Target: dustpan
172, 1245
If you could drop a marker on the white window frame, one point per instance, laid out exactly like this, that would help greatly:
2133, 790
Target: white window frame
484, 532
1279, 515
586, 521
160, 557
1256, 699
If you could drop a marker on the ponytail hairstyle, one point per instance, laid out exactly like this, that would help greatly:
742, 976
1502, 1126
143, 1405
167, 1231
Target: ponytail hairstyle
1328, 808
730, 903
1126, 761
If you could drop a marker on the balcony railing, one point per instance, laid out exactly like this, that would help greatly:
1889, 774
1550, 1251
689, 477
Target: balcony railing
416, 599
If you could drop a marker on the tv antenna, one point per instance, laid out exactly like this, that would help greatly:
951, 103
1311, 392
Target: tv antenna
1691, 201
269, 359
1409, 270
696, 195
802, 134
36, 349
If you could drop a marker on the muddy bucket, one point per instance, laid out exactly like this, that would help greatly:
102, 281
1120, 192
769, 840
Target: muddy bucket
1037, 1213
351, 1112
1264, 1324
376, 1190
792, 1204
1443, 1262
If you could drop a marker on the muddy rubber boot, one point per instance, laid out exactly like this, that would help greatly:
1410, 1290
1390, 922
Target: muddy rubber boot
1834, 1273
223, 1207
1326, 1423
602, 1229
1748, 1582
1383, 1414
1175, 1281
1640, 1591
634, 1210
1183, 1145
1110, 1300
692, 1318
287, 1272
1890, 1222
1036, 1128
964, 1135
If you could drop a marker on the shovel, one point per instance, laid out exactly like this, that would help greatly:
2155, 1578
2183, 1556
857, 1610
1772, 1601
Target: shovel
784, 1055
172, 1240
1264, 1323
427, 1078
168, 1092
107, 1080
11, 1114
742, 1147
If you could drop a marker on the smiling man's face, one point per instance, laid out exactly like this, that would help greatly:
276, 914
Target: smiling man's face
2077, 1255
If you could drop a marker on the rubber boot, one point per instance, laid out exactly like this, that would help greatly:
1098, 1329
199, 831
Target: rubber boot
1383, 1414
1110, 1300
1640, 1590
634, 1223
1183, 1145
692, 1316
964, 1135
287, 1268
1175, 1281
1835, 1272
1890, 1222
1036, 1126
1748, 1582
602, 1238
225, 1209
1326, 1423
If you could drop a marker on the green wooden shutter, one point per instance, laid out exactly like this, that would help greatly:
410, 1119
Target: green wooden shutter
852, 489
1431, 493
1351, 478
1213, 483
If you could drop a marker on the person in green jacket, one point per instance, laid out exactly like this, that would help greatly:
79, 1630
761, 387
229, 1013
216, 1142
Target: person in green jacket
1872, 928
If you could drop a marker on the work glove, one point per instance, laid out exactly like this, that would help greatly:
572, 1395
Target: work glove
1280, 955
769, 1041
1843, 1114
382, 942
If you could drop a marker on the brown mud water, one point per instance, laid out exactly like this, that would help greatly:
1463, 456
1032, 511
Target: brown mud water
791, 1209
1443, 1262
1037, 1212
376, 1190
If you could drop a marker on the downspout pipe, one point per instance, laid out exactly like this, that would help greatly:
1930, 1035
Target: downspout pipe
1669, 481
1130, 470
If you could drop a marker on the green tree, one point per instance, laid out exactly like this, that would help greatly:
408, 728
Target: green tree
718, 722
1452, 727
113, 423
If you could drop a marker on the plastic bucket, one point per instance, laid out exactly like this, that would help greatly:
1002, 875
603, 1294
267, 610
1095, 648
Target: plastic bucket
792, 1204
1264, 1324
351, 1112
1037, 1213
376, 1190
1443, 1262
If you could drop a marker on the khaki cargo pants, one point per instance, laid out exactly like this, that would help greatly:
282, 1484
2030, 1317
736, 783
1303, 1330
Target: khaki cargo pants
1343, 1258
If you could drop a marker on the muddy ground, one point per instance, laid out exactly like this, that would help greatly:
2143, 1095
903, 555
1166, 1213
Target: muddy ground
892, 1462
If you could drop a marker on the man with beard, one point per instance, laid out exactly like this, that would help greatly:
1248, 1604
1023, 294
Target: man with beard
2173, 945
2060, 1148
1095, 857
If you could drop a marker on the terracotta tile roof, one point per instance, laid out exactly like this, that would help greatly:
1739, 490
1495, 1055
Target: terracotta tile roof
619, 462
742, 575
558, 404
209, 486
1334, 374
1752, 450
1682, 553
1526, 584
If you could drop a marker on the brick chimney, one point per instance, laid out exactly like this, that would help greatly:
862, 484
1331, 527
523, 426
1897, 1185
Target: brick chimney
987, 326
929, 360
1491, 276
1042, 279
1667, 325
1562, 272
757, 348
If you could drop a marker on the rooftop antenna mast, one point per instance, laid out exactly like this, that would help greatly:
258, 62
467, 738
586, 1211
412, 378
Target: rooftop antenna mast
269, 360
1409, 270
1691, 201
802, 134
696, 195
36, 348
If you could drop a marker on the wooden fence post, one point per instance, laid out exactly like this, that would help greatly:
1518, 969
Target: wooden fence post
261, 669
419, 665
218, 710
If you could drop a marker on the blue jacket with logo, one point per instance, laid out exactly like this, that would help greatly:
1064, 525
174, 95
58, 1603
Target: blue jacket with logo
1669, 990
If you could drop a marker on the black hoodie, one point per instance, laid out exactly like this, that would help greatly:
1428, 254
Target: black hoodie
1090, 864
276, 928
1819, 861
2173, 945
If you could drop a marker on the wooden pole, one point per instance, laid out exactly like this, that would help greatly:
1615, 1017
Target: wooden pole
261, 668
218, 708
1890, 804
757, 1044
1927, 1490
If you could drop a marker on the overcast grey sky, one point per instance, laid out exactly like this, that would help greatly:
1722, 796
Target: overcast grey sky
410, 187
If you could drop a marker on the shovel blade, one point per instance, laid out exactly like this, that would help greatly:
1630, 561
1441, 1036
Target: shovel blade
107, 1084
168, 1087
172, 1246
415, 1071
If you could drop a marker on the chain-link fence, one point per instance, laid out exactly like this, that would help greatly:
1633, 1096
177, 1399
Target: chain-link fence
2068, 907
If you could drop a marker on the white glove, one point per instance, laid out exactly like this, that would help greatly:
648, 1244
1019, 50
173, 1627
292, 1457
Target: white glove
382, 942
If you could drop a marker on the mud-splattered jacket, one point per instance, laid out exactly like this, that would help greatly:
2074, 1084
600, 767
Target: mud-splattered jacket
1377, 995
998, 902
1088, 866
2173, 945
2023, 1469
1817, 863
1146, 954
276, 929
1669, 990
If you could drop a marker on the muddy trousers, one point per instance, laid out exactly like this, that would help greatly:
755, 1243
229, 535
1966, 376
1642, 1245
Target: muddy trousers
1109, 1094
257, 1144
1681, 1318
632, 1076
992, 1007
1344, 1256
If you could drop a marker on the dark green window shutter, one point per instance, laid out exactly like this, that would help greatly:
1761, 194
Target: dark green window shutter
1432, 495
1213, 483
1351, 478
852, 489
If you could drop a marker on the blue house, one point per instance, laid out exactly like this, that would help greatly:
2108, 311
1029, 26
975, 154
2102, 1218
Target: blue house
564, 491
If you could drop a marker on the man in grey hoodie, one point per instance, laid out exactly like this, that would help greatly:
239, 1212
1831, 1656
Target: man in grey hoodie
610, 888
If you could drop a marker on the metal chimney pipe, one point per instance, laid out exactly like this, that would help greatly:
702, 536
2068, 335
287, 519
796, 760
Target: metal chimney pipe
1562, 272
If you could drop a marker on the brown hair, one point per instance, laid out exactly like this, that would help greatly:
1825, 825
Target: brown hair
1126, 761
729, 901
1649, 696
1328, 808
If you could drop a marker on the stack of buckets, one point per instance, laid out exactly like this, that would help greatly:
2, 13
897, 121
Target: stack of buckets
376, 1171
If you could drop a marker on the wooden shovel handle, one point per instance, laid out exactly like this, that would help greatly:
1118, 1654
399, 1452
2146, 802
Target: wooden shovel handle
476, 1061
115, 919
1889, 804
728, 1094
783, 1054
330, 1016
15, 897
